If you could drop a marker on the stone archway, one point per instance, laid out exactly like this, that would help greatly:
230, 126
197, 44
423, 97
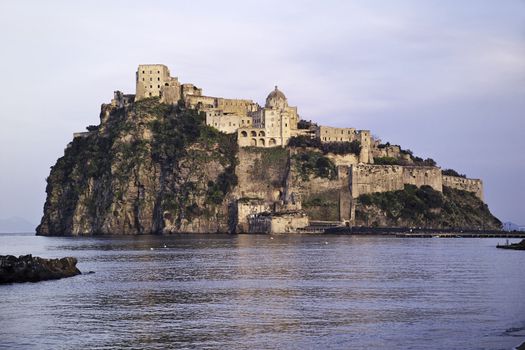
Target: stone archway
253, 142
261, 142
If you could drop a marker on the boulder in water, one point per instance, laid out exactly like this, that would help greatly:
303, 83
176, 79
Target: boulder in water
27, 268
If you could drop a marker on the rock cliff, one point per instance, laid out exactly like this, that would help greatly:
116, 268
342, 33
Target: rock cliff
147, 168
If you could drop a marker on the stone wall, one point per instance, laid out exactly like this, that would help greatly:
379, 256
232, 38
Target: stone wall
461, 183
423, 175
247, 209
278, 223
384, 178
392, 151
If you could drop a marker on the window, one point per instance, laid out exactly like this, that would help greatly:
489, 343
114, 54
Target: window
150, 79
143, 72
151, 86
158, 71
158, 86
158, 79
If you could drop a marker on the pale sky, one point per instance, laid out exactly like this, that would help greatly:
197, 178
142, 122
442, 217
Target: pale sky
444, 78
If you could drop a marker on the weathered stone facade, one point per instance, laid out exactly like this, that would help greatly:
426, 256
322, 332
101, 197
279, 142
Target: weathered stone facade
366, 178
461, 183
154, 80
278, 223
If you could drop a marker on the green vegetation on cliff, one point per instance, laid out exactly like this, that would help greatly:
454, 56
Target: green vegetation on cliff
311, 163
343, 147
142, 162
452, 172
425, 207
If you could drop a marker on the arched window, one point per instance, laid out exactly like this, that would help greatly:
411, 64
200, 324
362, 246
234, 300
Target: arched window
261, 133
253, 142
272, 142
244, 134
261, 142
253, 133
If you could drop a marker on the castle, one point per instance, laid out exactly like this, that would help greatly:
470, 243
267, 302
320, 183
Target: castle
270, 126
274, 125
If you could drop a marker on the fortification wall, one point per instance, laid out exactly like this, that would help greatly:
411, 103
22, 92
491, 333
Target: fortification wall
384, 178
460, 183
375, 178
423, 175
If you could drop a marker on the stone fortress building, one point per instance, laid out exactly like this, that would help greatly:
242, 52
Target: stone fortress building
274, 124
269, 126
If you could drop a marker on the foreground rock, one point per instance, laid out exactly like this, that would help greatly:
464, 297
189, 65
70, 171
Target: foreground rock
27, 268
515, 246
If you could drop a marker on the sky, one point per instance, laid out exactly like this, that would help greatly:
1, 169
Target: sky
443, 78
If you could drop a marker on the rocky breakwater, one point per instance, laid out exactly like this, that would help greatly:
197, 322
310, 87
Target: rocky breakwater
514, 246
27, 268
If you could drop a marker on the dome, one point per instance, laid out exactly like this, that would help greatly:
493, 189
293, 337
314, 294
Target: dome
276, 99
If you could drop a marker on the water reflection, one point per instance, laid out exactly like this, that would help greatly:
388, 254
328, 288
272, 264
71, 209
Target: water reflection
247, 291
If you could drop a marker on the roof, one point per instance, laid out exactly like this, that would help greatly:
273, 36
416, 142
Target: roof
276, 94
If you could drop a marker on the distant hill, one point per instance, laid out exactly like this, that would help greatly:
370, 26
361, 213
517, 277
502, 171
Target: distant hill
16, 225
510, 226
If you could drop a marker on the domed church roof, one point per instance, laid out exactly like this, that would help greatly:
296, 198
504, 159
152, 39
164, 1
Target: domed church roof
276, 98
276, 94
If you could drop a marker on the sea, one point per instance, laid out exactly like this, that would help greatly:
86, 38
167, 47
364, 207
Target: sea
208, 291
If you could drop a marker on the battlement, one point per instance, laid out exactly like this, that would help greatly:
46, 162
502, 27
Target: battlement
461, 183
366, 178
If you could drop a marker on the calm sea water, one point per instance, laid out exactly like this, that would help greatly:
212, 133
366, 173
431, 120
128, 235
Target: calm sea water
262, 292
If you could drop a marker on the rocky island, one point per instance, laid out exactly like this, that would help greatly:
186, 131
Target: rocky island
171, 159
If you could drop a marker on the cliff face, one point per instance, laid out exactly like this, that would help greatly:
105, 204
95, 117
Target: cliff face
147, 168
